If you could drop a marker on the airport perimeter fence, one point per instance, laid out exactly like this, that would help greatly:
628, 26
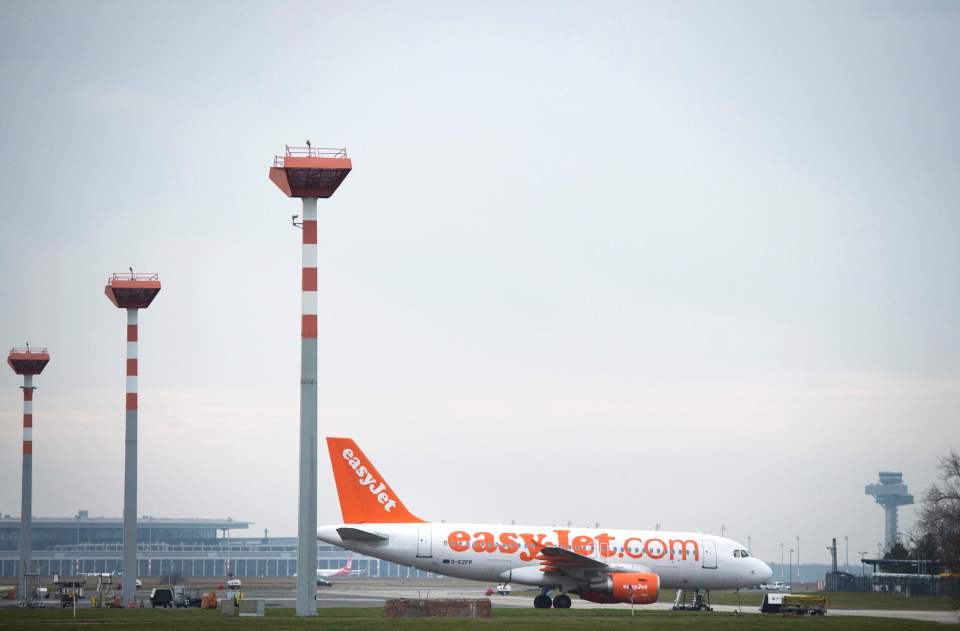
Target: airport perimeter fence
905, 584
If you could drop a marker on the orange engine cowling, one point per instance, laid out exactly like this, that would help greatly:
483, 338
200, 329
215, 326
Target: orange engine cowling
640, 588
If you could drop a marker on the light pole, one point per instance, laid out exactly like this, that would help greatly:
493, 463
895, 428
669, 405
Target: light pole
781, 560
846, 543
723, 531
798, 558
749, 545
862, 553
308, 173
790, 573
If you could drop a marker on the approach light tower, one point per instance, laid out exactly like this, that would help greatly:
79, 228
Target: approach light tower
27, 362
308, 173
890, 493
131, 292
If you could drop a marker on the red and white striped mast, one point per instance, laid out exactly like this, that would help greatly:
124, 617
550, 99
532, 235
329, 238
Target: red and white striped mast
131, 292
308, 173
27, 362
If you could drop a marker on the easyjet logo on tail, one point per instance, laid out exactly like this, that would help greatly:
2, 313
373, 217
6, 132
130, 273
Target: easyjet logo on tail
368, 481
365, 497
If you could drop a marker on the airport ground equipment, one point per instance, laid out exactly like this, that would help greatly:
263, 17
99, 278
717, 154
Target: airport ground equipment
104, 594
692, 600
161, 597
890, 493
792, 604
308, 173
235, 590
27, 362
132, 292
797, 604
182, 597
70, 588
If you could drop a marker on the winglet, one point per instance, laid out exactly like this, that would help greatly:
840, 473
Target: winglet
365, 497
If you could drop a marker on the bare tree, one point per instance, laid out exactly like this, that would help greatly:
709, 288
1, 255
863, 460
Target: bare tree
940, 511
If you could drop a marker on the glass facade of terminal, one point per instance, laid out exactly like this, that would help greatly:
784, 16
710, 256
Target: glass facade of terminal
184, 548
188, 561
49, 537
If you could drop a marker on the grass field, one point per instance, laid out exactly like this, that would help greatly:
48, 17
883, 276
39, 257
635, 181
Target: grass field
374, 618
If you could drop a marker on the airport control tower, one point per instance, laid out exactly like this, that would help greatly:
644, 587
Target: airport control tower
308, 173
890, 493
131, 292
27, 362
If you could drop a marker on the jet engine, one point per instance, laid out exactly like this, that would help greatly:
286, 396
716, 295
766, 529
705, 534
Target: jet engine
641, 588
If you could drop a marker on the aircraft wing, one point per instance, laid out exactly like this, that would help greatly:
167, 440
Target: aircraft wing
556, 559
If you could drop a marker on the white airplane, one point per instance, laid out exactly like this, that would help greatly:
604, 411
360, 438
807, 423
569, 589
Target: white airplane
345, 570
599, 565
323, 575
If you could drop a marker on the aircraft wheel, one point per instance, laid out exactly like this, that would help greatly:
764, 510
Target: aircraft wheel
561, 601
542, 602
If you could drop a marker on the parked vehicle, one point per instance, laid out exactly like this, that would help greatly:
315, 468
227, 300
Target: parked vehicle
504, 589
791, 604
775, 586
161, 597
184, 598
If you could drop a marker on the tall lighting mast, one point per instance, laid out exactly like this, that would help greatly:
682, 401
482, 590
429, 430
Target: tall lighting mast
308, 173
131, 292
27, 362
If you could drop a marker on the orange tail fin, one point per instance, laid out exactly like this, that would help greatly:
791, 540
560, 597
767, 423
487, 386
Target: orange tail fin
365, 497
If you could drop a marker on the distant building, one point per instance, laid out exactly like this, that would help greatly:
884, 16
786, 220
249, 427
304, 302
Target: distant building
50, 532
185, 547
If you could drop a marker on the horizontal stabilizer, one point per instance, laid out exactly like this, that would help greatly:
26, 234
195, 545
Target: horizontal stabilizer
356, 534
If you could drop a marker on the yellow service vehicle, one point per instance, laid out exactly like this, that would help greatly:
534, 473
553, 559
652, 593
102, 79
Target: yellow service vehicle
795, 604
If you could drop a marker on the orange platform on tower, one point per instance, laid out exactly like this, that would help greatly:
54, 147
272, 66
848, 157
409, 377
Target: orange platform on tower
132, 291
28, 361
310, 171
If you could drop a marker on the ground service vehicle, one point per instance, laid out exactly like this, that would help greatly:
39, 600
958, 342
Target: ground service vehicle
184, 598
793, 604
161, 597
599, 565
803, 604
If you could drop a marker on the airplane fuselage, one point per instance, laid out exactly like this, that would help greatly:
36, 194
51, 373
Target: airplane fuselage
682, 560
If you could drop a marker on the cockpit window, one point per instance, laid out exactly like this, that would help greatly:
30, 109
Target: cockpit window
736, 554
740, 554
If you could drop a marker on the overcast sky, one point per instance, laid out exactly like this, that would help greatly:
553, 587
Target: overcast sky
693, 264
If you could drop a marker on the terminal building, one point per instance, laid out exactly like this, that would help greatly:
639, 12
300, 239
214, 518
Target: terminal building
170, 547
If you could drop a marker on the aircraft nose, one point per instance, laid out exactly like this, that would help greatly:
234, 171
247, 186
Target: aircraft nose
765, 572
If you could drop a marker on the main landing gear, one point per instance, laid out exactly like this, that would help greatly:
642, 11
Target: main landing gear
560, 601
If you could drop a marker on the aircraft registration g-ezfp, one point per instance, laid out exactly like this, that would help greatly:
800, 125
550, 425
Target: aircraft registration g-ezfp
599, 565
